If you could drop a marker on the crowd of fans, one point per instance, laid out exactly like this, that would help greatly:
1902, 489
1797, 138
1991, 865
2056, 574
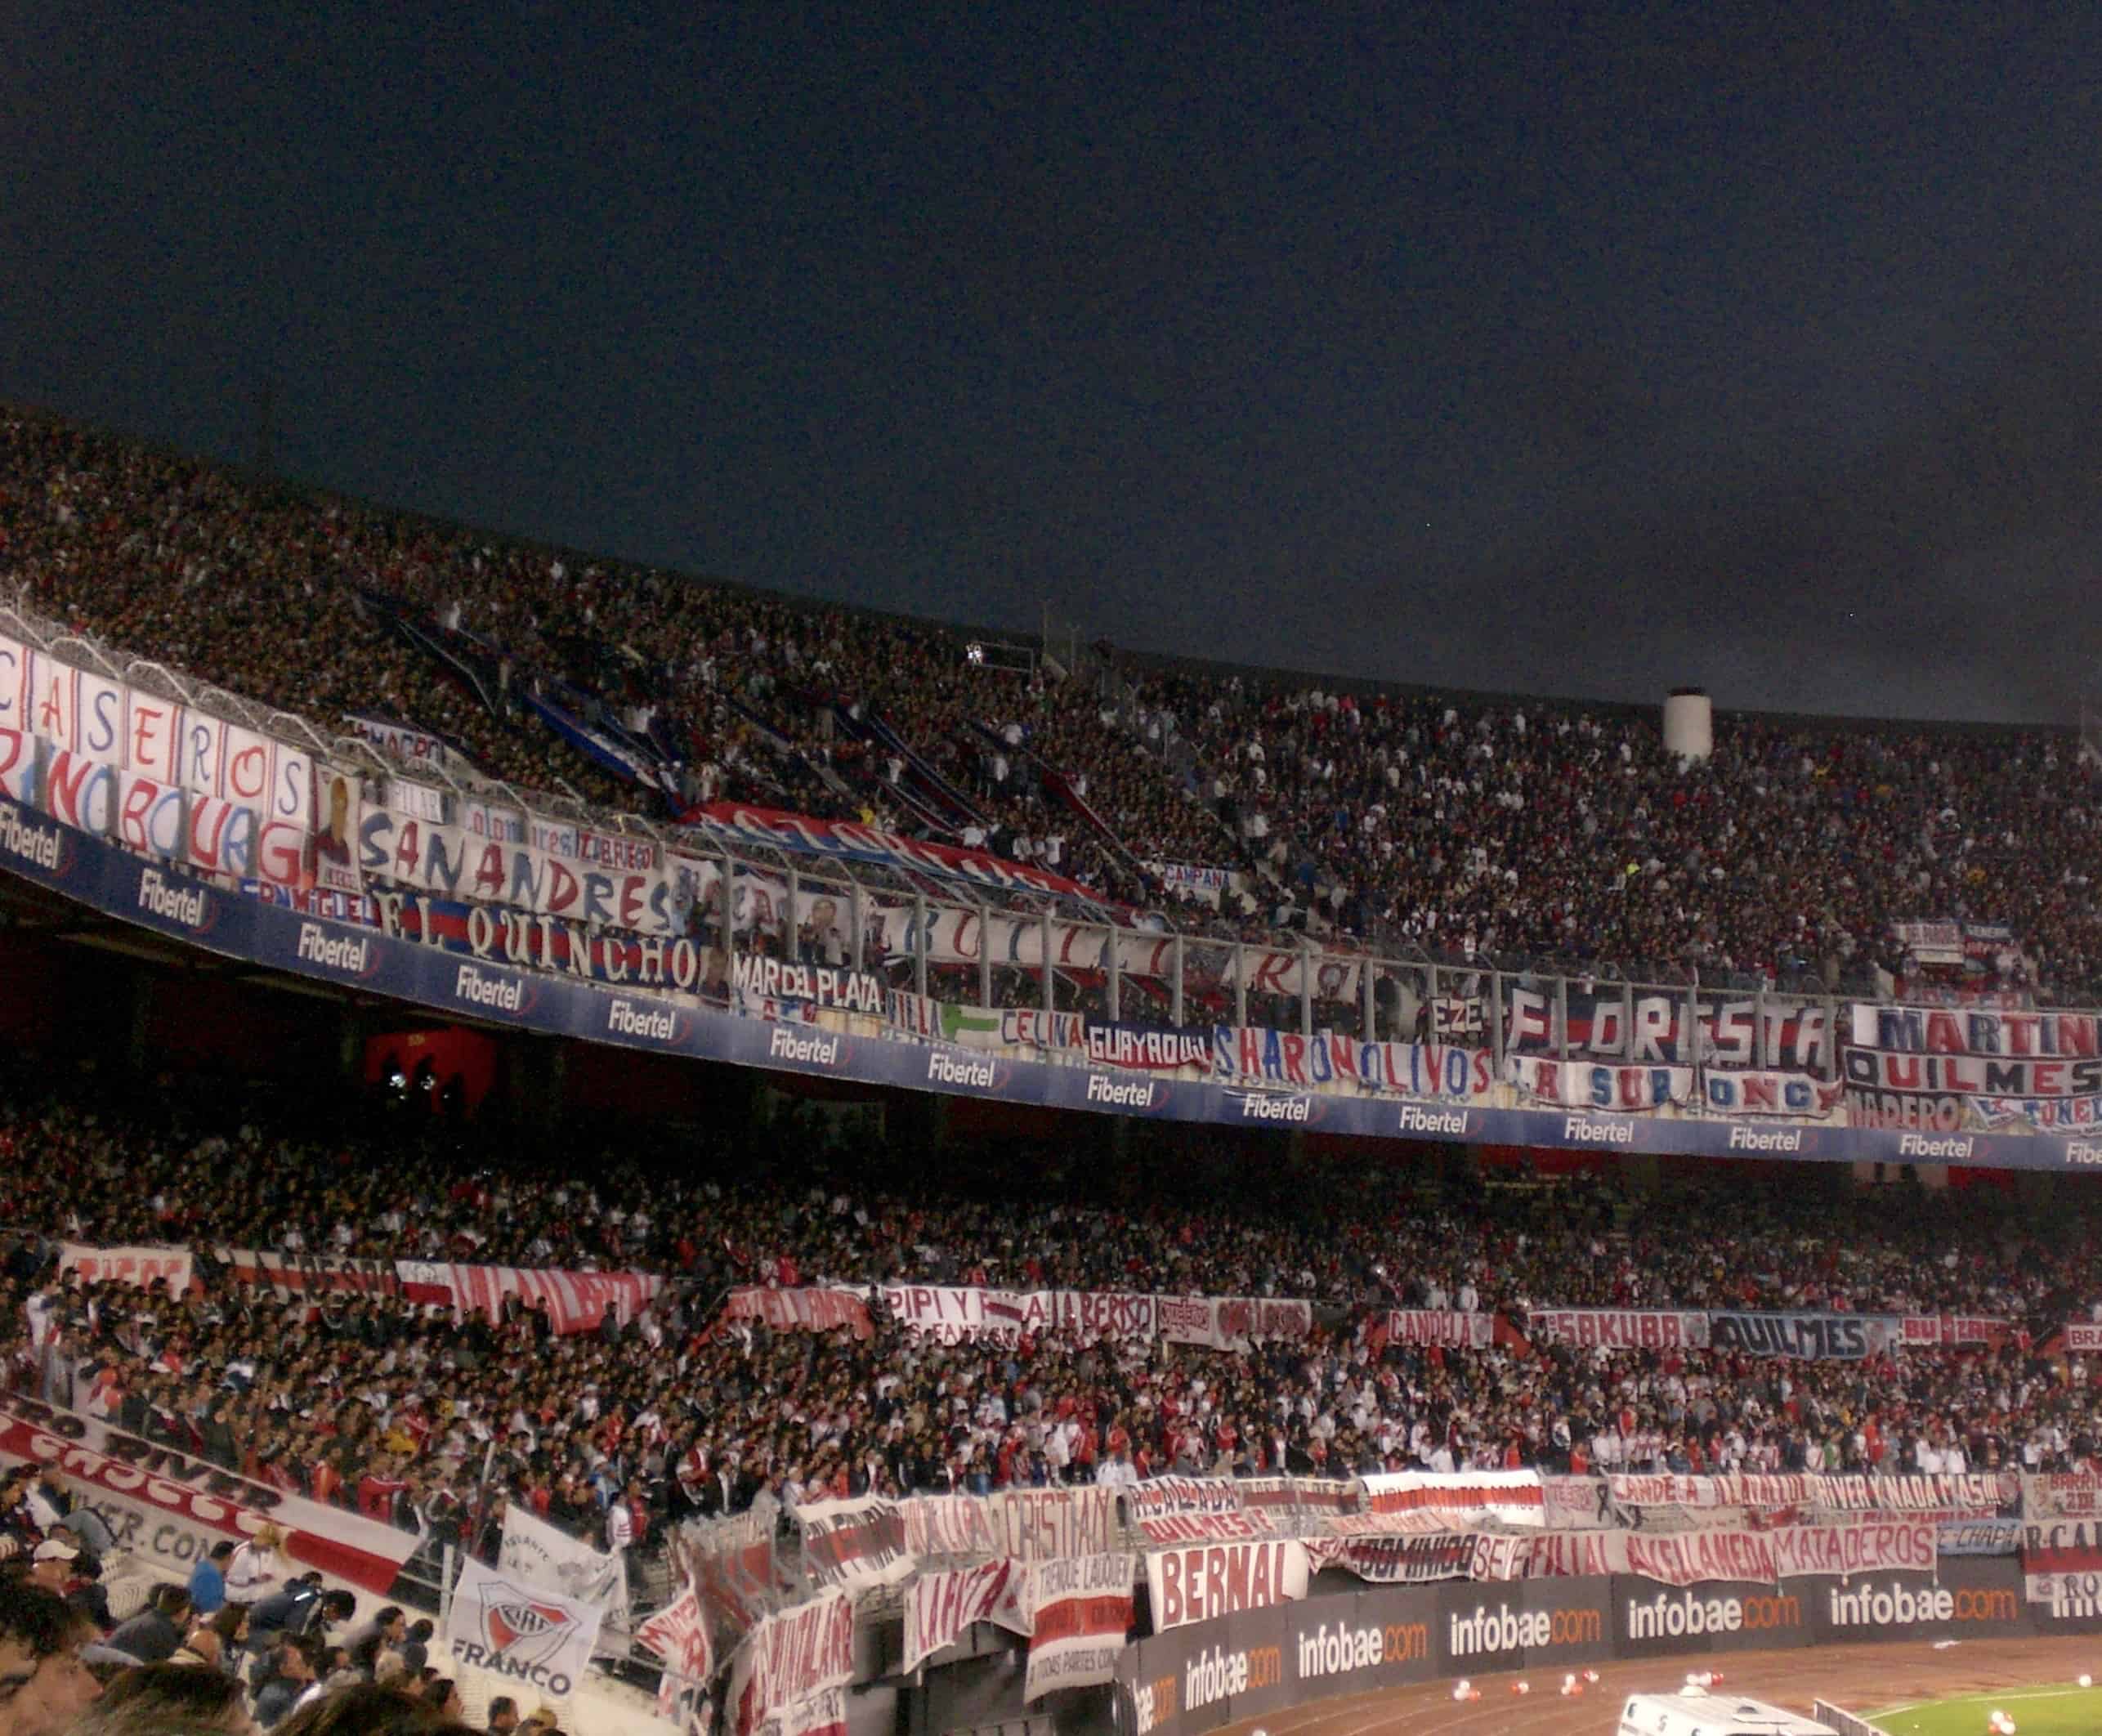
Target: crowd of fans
1462, 828
412, 1415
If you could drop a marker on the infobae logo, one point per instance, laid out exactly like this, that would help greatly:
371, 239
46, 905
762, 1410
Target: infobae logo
44, 846
1137, 1094
1766, 1138
1667, 1617
1920, 1145
1870, 1605
1504, 1629
191, 905
490, 994
1263, 1106
784, 1045
1220, 1674
634, 1018
1445, 1123
1342, 1650
349, 953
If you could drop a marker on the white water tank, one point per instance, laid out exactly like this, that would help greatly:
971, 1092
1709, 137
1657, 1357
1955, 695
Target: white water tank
1689, 723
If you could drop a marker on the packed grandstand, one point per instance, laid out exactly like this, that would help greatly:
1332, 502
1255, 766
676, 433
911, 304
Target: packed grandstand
699, 1406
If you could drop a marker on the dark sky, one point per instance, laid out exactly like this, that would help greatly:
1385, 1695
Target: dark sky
1466, 344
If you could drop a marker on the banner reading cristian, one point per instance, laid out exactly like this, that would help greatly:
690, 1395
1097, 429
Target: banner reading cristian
536, 1638
171, 1509
1081, 1612
941, 1607
1029, 1525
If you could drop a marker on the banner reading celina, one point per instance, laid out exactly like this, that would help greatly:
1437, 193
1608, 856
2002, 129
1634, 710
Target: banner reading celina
536, 1638
940, 1608
854, 1543
1694, 1557
1206, 1580
1426, 1500
790, 1657
1081, 1612
163, 1505
1027, 1524
139, 1266
537, 1554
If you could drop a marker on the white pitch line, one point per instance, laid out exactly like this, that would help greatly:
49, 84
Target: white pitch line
1983, 1693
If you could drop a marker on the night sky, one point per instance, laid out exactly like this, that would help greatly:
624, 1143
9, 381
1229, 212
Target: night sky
1478, 346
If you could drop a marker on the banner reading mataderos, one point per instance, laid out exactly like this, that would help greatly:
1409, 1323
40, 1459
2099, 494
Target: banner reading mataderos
141, 1266
536, 1638
855, 1543
941, 1607
536, 1553
1081, 1612
165, 1505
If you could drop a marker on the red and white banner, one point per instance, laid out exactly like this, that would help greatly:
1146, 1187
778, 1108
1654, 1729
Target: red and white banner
811, 1309
576, 1301
854, 1543
1446, 1328
1400, 1560
141, 1266
1929, 1331
2062, 1494
1690, 1557
790, 1657
171, 1509
678, 1634
1205, 1581
2083, 1335
303, 1274
955, 1314
1028, 1525
1943, 1493
1618, 1328
1194, 1510
823, 1714
1422, 1501
1081, 1612
939, 1608
1233, 1323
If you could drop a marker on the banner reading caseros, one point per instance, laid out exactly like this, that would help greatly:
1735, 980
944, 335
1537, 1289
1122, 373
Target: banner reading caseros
1618, 1328
790, 1657
1813, 1337
142, 1268
1596, 1084
1942, 1069
1202, 1581
1250, 1055
537, 1638
576, 1301
1688, 1558
1423, 1501
171, 1509
1081, 1610
536, 1553
854, 1543
304, 1274
1029, 1525
941, 1607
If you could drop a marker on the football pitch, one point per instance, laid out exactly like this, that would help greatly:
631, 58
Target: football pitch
2065, 1710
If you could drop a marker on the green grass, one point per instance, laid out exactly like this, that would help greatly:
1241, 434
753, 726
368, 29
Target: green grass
2036, 1711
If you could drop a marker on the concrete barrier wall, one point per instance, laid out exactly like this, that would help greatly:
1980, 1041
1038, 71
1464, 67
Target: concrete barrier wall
1195, 1679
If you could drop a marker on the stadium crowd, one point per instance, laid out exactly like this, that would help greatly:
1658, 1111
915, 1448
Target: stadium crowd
392, 1407
1465, 828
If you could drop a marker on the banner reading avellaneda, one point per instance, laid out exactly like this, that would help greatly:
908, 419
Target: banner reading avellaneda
157, 895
